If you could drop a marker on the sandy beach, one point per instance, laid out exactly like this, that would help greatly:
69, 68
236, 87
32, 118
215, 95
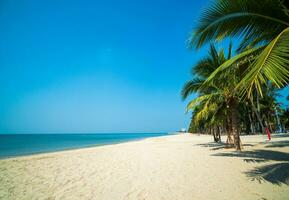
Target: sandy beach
170, 167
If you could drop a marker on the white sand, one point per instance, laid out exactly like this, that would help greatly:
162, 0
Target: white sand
172, 168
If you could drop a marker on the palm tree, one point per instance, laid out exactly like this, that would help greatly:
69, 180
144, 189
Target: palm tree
264, 29
285, 119
268, 106
216, 102
202, 70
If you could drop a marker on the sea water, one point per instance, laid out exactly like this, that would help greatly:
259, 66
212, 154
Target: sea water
12, 145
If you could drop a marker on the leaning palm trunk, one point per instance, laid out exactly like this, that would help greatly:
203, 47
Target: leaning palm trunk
235, 124
229, 131
214, 134
217, 134
258, 116
252, 128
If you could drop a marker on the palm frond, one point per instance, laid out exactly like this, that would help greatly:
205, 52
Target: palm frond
207, 110
209, 64
285, 7
191, 86
203, 68
272, 64
240, 18
233, 61
230, 50
195, 102
250, 42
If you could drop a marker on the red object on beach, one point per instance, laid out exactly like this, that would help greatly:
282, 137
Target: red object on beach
268, 133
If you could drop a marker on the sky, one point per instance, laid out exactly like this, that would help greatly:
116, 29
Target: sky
95, 66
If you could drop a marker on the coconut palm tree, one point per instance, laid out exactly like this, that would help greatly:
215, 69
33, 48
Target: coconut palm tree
269, 106
216, 103
202, 70
264, 29
285, 119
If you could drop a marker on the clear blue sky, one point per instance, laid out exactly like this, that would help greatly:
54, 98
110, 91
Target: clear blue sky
95, 66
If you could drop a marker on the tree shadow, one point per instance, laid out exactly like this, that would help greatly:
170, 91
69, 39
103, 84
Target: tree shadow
273, 144
220, 145
276, 173
212, 144
283, 135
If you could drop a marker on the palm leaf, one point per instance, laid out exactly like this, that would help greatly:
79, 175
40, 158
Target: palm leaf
203, 68
233, 61
240, 18
207, 110
208, 64
251, 42
272, 64
201, 99
191, 86
230, 50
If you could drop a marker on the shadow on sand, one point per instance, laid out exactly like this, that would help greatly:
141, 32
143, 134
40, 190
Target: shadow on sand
213, 145
276, 173
219, 145
283, 135
279, 144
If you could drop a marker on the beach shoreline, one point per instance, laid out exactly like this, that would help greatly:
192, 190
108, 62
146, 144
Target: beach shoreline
84, 146
181, 166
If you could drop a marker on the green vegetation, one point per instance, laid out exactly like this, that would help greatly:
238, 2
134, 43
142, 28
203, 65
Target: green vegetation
238, 93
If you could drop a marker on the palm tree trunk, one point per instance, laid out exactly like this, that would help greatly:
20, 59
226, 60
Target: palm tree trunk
219, 133
229, 131
251, 122
279, 126
260, 125
247, 122
258, 116
269, 124
235, 124
213, 131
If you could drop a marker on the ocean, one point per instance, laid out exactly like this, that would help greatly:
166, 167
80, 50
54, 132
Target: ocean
12, 145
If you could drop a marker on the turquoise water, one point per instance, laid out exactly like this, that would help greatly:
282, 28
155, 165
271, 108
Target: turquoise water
12, 145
